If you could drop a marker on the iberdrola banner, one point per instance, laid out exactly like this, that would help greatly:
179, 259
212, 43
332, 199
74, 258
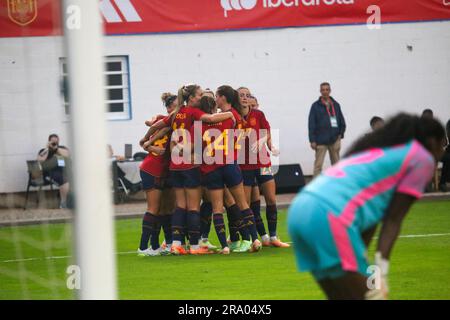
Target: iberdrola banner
19, 18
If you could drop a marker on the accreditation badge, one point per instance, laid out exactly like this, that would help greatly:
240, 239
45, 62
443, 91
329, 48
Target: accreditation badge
61, 162
334, 123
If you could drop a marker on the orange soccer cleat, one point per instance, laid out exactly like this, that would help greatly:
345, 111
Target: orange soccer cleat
279, 244
200, 251
178, 250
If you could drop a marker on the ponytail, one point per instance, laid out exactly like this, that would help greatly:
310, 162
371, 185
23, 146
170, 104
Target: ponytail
184, 93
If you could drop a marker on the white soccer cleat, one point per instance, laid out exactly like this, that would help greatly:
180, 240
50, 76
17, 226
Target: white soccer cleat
142, 253
154, 253
225, 251
149, 252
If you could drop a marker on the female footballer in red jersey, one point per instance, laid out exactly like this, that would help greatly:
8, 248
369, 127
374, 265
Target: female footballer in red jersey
218, 168
227, 99
206, 206
232, 209
184, 173
153, 171
257, 169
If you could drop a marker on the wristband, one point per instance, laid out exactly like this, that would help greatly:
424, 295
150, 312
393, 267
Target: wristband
382, 263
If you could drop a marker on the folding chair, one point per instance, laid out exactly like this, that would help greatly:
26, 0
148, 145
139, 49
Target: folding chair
36, 179
139, 156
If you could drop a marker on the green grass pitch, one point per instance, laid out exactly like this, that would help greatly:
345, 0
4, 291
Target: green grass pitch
420, 266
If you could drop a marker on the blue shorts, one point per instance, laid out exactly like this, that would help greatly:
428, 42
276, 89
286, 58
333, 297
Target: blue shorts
203, 181
228, 175
151, 182
323, 244
257, 177
190, 178
167, 184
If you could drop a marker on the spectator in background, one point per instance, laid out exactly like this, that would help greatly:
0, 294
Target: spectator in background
427, 113
445, 175
54, 160
326, 128
376, 123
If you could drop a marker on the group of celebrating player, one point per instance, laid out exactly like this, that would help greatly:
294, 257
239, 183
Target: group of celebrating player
210, 152
209, 160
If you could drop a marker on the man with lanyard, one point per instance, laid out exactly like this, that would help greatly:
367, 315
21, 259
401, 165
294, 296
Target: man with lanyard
326, 128
55, 162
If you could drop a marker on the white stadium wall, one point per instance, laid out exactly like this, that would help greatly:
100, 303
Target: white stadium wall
401, 67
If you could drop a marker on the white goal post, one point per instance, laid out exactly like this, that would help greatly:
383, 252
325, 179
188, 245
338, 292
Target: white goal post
94, 212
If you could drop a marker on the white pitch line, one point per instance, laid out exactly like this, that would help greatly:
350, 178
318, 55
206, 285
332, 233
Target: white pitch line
133, 252
425, 235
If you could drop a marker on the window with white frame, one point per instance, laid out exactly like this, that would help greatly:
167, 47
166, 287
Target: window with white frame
116, 86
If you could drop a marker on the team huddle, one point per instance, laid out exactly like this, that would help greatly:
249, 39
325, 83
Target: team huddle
202, 162
209, 154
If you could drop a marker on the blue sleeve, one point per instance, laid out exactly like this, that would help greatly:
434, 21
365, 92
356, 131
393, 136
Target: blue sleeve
312, 124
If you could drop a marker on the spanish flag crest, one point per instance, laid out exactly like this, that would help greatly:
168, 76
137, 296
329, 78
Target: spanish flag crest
22, 12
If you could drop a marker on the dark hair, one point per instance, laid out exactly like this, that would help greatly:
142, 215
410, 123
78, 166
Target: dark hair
427, 113
207, 104
374, 120
325, 84
53, 135
168, 98
447, 128
232, 97
400, 129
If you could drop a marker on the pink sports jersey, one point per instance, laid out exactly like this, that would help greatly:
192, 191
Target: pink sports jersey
359, 188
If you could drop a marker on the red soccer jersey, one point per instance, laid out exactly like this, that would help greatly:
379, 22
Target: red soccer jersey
239, 134
254, 122
184, 119
237, 116
213, 143
155, 164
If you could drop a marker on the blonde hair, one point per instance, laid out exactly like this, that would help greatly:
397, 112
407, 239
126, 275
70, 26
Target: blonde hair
168, 98
184, 93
